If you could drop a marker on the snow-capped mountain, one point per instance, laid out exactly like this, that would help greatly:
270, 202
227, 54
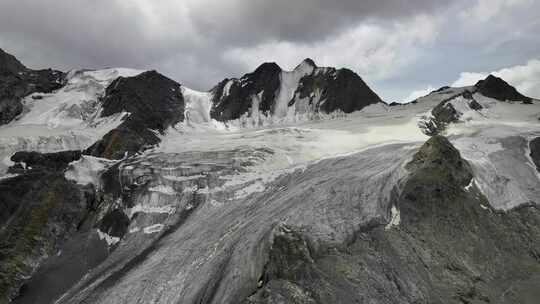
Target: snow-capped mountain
19, 81
69, 117
306, 89
123, 186
91, 105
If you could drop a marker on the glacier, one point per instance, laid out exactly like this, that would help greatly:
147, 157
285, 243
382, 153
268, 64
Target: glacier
223, 193
208, 213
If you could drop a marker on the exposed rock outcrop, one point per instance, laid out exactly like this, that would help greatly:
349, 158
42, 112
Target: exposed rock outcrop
497, 88
42, 161
534, 146
446, 113
154, 103
234, 97
39, 211
340, 90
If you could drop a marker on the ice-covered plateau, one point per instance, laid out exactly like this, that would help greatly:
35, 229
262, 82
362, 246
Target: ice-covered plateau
123, 186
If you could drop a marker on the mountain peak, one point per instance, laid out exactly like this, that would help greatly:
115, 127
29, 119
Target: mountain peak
495, 87
268, 67
9, 63
308, 62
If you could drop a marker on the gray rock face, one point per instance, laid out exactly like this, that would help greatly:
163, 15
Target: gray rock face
497, 88
154, 102
238, 100
39, 211
534, 146
42, 161
10, 64
341, 90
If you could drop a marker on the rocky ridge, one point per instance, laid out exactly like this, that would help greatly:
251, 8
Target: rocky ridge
306, 88
18, 81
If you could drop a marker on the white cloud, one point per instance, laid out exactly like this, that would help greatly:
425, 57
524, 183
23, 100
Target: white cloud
395, 45
419, 93
526, 78
468, 78
372, 50
485, 10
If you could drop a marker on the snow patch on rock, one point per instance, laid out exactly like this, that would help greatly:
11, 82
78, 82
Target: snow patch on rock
144, 208
153, 228
87, 170
165, 189
111, 240
395, 218
8, 175
227, 88
470, 185
66, 119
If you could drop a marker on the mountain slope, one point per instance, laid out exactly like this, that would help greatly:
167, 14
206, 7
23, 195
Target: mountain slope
153, 102
446, 246
468, 103
17, 81
68, 118
263, 191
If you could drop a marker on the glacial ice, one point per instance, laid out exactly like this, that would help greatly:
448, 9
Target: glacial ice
226, 239
67, 119
212, 194
88, 169
111, 240
395, 218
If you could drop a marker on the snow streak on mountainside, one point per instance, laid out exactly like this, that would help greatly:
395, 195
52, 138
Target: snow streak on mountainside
198, 106
289, 86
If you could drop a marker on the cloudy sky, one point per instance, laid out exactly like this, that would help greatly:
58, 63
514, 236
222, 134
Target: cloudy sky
401, 48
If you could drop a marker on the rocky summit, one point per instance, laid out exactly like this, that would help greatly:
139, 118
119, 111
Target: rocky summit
497, 88
272, 91
153, 102
302, 186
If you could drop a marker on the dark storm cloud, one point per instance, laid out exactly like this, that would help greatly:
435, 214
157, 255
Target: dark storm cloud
79, 32
145, 33
199, 42
248, 22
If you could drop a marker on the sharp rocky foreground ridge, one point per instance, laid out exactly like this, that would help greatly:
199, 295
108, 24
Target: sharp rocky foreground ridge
302, 186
